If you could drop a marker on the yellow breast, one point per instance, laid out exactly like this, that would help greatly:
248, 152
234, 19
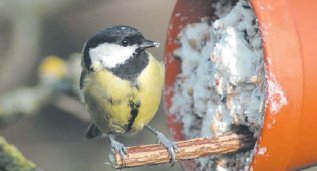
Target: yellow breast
151, 85
109, 98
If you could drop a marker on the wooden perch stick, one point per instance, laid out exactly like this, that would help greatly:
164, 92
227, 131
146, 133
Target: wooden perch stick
190, 149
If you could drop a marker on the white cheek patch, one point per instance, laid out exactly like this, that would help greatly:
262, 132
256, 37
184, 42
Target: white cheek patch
110, 55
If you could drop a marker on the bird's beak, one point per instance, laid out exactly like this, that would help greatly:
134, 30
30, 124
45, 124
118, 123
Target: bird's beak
148, 44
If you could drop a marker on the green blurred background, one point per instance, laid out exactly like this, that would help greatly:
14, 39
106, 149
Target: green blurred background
31, 30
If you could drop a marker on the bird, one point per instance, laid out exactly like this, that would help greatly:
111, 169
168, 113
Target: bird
121, 85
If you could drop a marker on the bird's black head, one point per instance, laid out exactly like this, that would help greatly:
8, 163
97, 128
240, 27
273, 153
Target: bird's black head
114, 45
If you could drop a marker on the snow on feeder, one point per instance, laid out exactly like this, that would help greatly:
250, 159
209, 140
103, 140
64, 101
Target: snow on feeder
228, 77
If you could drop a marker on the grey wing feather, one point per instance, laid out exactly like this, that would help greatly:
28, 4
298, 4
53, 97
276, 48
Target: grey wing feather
93, 132
82, 78
81, 85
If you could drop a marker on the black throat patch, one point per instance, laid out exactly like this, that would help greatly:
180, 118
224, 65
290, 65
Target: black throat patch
131, 69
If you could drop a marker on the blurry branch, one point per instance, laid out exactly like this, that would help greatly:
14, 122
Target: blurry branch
190, 149
56, 78
72, 106
12, 159
26, 18
23, 101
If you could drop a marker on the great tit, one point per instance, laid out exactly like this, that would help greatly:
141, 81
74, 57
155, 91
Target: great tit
121, 85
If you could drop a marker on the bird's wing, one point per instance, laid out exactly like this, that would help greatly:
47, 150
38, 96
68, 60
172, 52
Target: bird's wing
93, 132
81, 85
82, 78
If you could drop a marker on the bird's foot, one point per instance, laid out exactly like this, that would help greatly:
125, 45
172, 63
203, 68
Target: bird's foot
169, 145
118, 147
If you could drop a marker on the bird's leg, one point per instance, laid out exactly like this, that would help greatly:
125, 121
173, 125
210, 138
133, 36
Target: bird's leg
118, 147
169, 144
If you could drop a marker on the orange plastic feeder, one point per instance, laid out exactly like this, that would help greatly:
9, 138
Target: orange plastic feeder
288, 29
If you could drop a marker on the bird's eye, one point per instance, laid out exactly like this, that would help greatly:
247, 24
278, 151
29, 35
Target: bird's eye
125, 42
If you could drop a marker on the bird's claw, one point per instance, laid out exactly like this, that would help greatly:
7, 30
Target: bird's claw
119, 148
169, 145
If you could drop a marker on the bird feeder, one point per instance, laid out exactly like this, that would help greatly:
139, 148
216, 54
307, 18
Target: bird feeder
289, 44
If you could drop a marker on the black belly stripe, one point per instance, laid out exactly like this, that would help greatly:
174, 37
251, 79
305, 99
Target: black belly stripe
133, 114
